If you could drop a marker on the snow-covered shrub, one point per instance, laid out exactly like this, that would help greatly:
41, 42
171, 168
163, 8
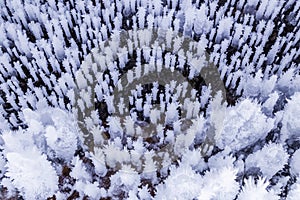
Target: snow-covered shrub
243, 125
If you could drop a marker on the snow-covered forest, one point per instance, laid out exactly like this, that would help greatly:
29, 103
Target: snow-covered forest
150, 99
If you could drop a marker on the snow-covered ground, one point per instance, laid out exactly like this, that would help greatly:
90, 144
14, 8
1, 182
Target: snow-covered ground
160, 99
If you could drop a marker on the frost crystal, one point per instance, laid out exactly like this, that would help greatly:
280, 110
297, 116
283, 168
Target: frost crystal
290, 121
270, 159
244, 124
256, 190
100, 60
295, 163
27, 165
